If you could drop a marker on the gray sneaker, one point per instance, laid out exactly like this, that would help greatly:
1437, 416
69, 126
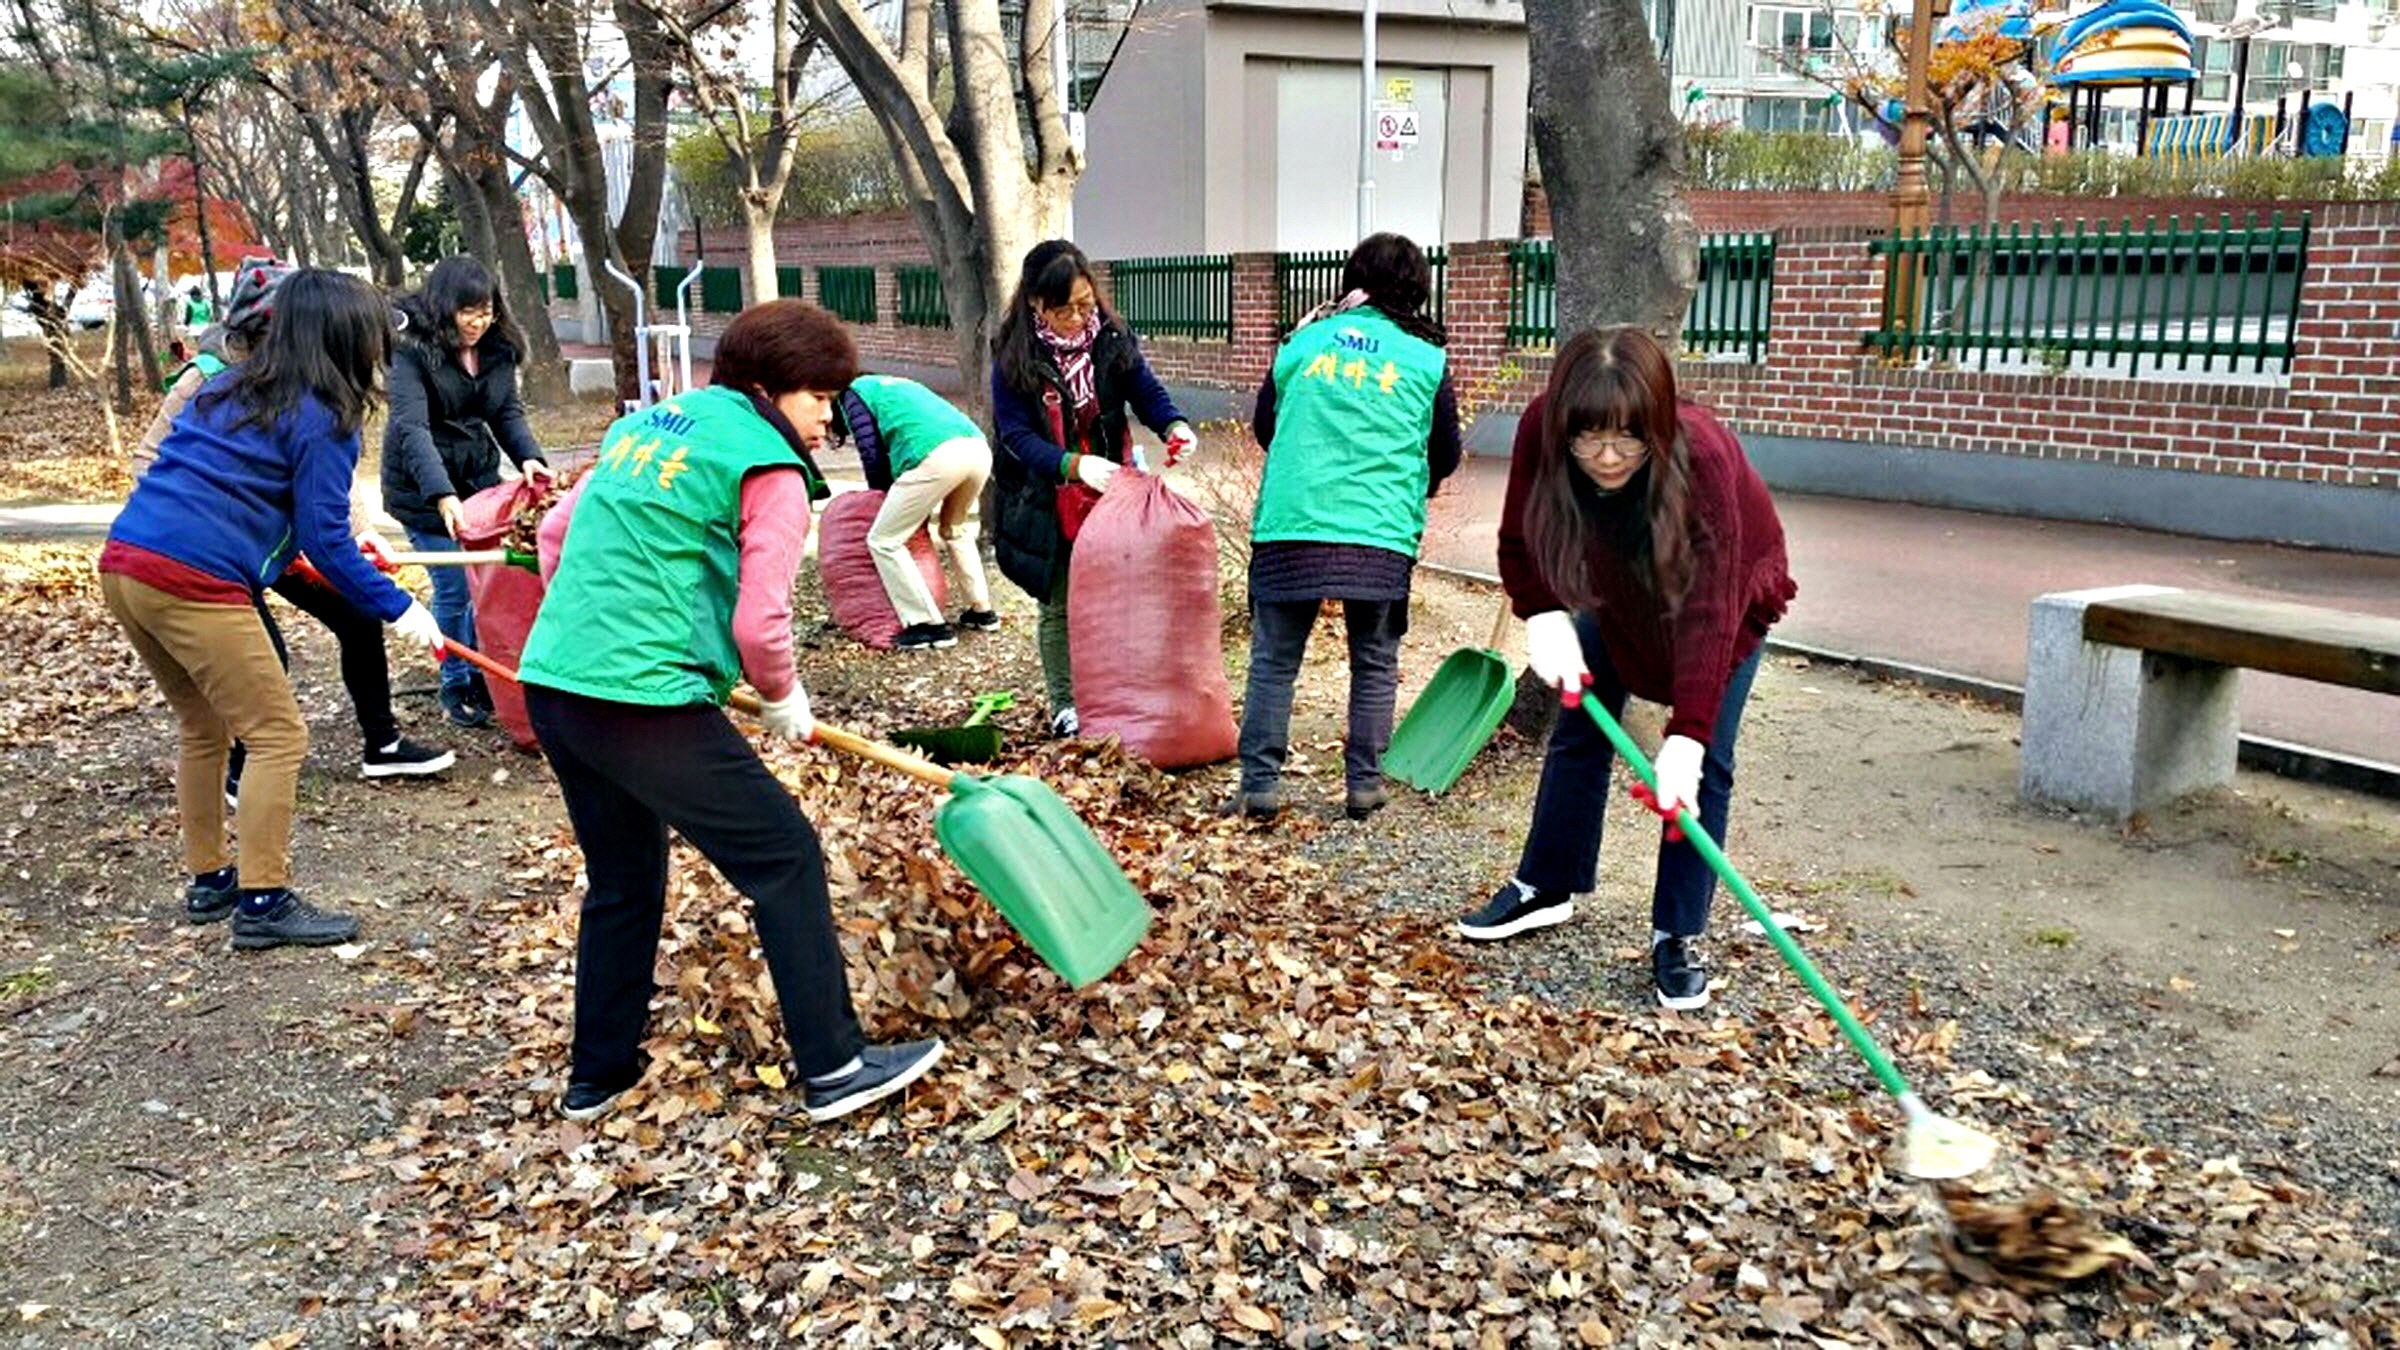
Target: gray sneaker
293, 922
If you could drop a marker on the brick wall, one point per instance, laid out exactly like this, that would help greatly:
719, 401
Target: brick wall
1716, 212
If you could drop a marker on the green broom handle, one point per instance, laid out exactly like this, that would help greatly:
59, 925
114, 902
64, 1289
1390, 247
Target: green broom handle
1790, 950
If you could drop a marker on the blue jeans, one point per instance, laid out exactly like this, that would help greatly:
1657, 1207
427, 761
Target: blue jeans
1279, 632
453, 609
1562, 850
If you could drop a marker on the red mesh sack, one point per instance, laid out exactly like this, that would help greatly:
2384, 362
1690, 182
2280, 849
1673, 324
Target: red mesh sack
853, 588
1144, 632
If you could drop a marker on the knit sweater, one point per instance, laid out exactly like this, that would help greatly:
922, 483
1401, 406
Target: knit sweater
1741, 583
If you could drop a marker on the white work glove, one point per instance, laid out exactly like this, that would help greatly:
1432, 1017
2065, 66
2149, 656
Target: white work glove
1095, 472
417, 628
1555, 650
1678, 768
1181, 441
788, 716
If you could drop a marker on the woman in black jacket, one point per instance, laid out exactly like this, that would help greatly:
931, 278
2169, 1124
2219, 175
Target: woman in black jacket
454, 413
1065, 374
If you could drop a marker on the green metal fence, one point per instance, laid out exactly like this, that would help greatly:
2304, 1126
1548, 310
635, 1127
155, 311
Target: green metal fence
1729, 311
790, 282
2206, 297
1532, 293
848, 291
1304, 281
721, 290
922, 304
562, 281
1189, 297
664, 279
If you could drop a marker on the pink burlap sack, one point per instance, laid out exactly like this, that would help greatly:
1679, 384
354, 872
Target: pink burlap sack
853, 588
1144, 632
506, 598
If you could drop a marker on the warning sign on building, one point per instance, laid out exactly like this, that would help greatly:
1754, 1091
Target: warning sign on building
1395, 126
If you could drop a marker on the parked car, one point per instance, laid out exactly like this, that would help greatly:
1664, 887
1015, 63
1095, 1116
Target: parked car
92, 305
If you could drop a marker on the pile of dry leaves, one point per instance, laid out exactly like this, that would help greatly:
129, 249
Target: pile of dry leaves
1289, 1119
71, 667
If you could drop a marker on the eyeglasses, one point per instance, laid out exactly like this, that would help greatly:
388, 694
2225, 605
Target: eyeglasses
475, 314
1601, 447
1081, 309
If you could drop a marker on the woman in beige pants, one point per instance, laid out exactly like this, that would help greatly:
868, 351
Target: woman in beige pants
931, 461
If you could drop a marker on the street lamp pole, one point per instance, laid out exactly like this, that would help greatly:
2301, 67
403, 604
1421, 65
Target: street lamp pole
1366, 124
1911, 201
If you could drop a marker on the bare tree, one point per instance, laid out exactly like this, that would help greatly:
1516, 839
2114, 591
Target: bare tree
761, 145
991, 174
1611, 154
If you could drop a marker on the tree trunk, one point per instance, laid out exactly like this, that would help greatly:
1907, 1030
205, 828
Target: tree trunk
543, 371
132, 329
208, 247
758, 227
50, 316
1611, 157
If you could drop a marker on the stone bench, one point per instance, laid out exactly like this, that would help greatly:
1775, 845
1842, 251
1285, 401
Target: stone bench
2129, 690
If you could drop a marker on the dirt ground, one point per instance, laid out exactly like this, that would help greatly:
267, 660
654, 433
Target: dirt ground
199, 1148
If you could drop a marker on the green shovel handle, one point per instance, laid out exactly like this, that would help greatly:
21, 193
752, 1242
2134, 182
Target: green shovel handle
1784, 946
988, 704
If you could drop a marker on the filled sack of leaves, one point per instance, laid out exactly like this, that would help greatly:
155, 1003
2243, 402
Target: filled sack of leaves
1144, 634
853, 588
506, 598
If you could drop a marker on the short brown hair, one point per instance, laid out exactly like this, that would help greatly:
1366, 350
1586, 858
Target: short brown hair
783, 346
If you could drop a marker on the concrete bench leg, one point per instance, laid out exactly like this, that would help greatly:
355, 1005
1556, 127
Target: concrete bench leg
2116, 729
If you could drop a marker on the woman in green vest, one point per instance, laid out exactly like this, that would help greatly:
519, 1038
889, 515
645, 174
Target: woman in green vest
670, 577
1360, 424
930, 462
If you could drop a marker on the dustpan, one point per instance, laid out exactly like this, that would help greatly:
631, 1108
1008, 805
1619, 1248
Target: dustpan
1454, 715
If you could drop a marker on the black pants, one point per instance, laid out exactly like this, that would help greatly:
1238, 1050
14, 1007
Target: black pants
366, 673
1279, 632
1562, 850
629, 772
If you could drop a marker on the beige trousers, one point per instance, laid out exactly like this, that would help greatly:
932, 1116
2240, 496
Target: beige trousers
219, 673
942, 489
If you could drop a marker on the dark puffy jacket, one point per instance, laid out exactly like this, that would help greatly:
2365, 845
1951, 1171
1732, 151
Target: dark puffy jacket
1028, 471
447, 429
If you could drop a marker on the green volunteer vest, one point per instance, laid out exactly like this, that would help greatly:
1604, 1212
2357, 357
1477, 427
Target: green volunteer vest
1353, 409
207, 364
912, 418
641, 607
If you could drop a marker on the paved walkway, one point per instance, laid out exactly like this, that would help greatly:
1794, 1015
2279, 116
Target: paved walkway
1952, 590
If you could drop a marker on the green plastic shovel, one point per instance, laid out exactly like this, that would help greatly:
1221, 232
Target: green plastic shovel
1028, 853
1454, 715
1936, 1148
1016, 840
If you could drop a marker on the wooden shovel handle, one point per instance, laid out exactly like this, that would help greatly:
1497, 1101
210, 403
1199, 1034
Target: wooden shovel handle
851, 743
746, 702
1500, 625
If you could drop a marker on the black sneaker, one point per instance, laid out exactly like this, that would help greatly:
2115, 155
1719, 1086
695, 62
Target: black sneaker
292, 923
1065, 725
1360, 803
978, 620
882, 1071
459, 705
589, 1101
1517, 908
1253, 805
205, 902
404, 758
1681, 982
925, 637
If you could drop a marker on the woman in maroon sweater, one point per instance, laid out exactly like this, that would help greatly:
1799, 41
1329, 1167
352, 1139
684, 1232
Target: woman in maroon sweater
1644, 553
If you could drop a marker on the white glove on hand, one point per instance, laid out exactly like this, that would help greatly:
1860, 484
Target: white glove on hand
1555, 650
417, 628
1678, 767
1095, 472
1181, 441
788, 716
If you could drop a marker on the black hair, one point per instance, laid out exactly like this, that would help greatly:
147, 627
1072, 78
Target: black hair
1612, 380
1051, 270
455, 283
329, 339
1393, 272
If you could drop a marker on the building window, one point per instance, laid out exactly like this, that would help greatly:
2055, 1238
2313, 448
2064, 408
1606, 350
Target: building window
1786, 41
2214, 11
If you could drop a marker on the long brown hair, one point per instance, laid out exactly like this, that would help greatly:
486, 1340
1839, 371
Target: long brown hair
1613, 380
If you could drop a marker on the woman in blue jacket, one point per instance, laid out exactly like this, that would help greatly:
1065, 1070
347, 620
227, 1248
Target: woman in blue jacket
1066, 372
260, 463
